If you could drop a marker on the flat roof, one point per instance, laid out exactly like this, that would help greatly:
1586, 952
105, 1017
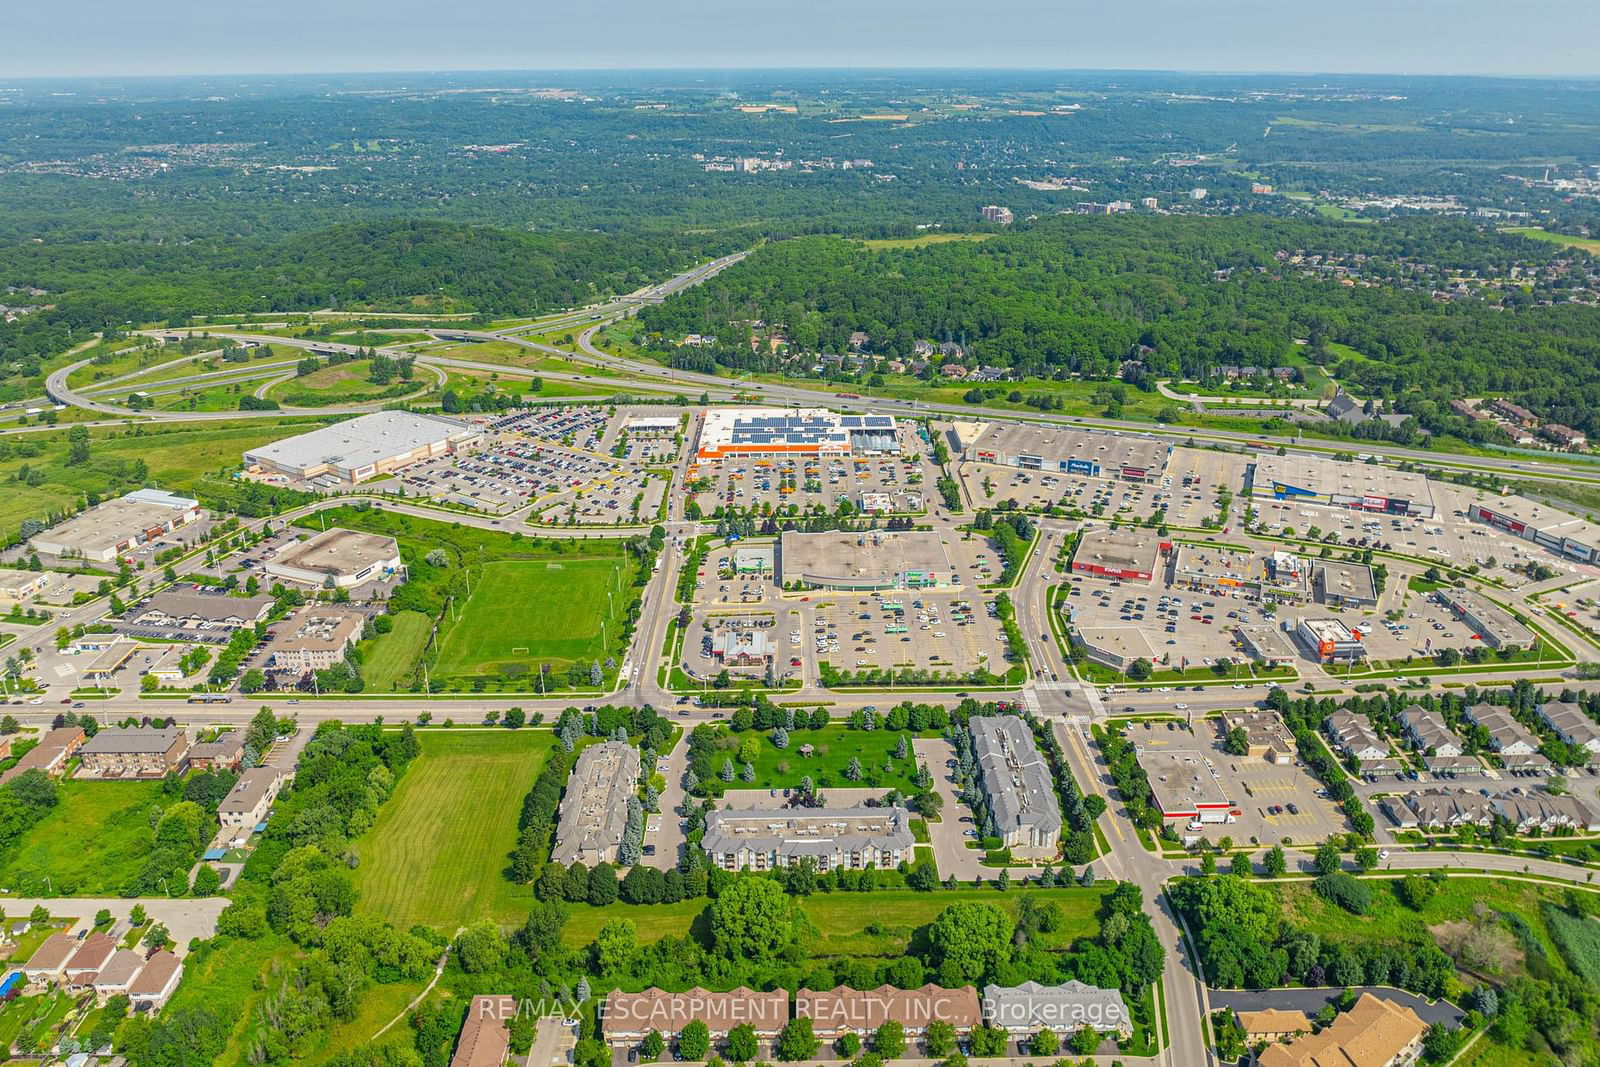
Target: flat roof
752, 430
1061, 443
1218, 564
1490, 618
1352, 581
1126, 548
1542, 517
872, 555
1183, 781
1328, 629
1328, 477
337, 552
109, 524
363, 440
1128, 642
1266, 639
318, 627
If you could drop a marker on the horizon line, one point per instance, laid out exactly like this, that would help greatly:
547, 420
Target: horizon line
848, 68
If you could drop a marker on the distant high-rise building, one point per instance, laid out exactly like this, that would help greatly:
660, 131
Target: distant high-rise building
995, 214
1149, 203
1197, 194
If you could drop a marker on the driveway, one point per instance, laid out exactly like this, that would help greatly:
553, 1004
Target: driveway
1312, 1001
950, 849
184, 918
667, 835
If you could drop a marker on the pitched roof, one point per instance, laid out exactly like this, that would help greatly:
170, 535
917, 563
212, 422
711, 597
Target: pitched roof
852, 1009
120, 969
485, 1040
51, 955
1274, 1021
157, 971
657, 1009
114, 740
93, 953
45, 753
1371, 1034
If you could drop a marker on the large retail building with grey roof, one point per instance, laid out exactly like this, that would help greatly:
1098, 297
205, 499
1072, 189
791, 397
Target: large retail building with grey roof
361, 448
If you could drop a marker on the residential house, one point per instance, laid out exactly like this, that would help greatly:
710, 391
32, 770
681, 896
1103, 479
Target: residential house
225, 752
1272, 1025
49, 960
485, 1039
251, 797
153, 986
1564, 436
841, 1010
1427, 732
93, 953
625, 1018
1516, 413
50, 755
1025, 1009
118, 973
1354, 736
1571, 724
118, 752
1374, 1033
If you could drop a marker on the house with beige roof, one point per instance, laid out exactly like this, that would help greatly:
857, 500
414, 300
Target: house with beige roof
1374, 1033
841, 1010
1272, 1025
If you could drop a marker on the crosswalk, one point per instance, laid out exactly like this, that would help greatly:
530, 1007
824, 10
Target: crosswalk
1075, 702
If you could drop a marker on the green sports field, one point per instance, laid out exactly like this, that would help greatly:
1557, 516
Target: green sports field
523, 612
438, 851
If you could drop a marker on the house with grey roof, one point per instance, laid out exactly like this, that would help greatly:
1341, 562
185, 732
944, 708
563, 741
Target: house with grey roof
1571, 724
594, 810
1427, 731
1024, 1010
764, 839
1017, 784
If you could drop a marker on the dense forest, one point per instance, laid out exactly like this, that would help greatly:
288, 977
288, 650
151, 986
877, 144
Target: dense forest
1081, 296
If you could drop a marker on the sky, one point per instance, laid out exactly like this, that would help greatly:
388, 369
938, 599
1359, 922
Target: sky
119, 37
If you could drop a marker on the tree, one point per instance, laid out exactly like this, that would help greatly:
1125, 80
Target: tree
481, 948
1139, 670
752, 919
1085, 1041
1044, 1043
796, 1041
1327, 859
206, 881
939, 1038
1238, 743
969, 939
694, 1041
848, 1044
602, 885
1275, 864
889, 1041
652, 1046
1366, 859
615, 945
741, 1044
987, 1040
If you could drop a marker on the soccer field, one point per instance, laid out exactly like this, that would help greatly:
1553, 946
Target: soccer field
525, 612
438, 851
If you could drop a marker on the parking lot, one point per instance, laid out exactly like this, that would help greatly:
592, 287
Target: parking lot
1275, 802
883, 484
1178, 623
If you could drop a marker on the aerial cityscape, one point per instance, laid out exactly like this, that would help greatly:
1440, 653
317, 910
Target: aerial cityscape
832, 565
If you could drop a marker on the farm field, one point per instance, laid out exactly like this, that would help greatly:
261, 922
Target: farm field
527, 611
437, 852
96, 837
1535, 233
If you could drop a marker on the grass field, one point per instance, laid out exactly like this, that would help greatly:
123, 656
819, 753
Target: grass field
851, 924
524, 611
387, 664
437, 853
835, 747
925, 240
1586, 243
94, 839
343, 383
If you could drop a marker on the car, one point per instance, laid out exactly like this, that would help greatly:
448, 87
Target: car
1383, 854
1293, 808
1181, 707
79, 704
970, 833
964, 818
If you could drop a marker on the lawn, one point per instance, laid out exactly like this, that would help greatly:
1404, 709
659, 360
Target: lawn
386, 664
379, 1004
925, 240
1533, 232
836, 745
96, 837
342, 383
526, 611
880, 924
439, 848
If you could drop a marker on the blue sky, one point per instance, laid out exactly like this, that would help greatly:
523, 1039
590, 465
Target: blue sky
111, 37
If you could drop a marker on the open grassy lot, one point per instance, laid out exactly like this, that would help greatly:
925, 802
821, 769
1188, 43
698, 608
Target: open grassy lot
925, 240
343, 383
387, 664
437, 852
833, 749
1586, 243
533, 601
531, 610
95, 838
852, 924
